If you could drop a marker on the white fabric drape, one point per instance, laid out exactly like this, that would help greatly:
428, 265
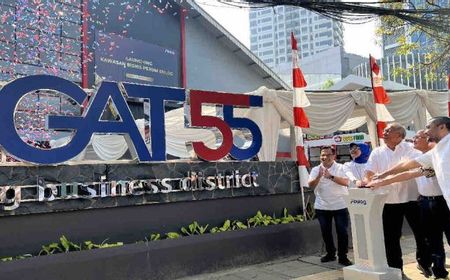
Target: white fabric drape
328, 113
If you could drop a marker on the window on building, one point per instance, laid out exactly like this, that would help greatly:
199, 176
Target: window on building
265, 11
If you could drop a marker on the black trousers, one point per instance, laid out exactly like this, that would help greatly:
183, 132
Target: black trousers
435, 218
341, 220
392, 225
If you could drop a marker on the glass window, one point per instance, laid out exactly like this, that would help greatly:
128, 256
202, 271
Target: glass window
49, 58
27, 37
70, 62
27, 18
71, 30
70, 46
50, 41
6, 51
28, 55
7, 14
70, 13
6, 32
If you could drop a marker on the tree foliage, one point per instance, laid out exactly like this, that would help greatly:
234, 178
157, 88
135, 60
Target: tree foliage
437, 50
431, 19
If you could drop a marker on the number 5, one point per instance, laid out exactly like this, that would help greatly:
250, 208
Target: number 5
197, 98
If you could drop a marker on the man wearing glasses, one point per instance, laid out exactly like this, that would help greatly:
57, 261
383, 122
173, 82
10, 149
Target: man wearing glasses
401, 201
435, 213
438, 130
330, 186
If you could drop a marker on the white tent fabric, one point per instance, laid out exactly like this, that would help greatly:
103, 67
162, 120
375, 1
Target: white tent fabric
329, 112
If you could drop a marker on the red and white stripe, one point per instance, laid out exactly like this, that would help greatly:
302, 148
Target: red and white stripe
299, 101
380, 97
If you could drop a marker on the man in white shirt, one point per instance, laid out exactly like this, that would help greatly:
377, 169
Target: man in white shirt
438, 158
435, 213
330, 186
401, 201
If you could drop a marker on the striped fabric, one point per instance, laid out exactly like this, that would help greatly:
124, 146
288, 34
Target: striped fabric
299, 101
380, 97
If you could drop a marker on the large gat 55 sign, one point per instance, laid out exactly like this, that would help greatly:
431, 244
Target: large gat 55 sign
90, 122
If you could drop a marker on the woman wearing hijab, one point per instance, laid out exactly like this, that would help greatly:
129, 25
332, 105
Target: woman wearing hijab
356, 168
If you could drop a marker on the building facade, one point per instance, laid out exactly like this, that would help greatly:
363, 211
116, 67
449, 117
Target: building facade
270, 31
397, 68
40, 37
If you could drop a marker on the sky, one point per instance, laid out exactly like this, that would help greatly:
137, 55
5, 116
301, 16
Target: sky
358, 39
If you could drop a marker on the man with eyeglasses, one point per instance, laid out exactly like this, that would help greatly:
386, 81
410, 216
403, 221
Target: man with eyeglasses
401, 201
437, 158
435, 213
330, 186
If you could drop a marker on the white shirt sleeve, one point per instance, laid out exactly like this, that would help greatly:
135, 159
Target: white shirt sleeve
372, 164
314, 173
348, 172
340, 171
426, 160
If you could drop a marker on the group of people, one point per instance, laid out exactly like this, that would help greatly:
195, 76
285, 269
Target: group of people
417, 178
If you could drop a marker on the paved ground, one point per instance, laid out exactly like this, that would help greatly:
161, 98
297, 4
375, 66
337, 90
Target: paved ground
309, 268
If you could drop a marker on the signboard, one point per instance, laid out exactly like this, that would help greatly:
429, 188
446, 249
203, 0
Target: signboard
83, 127
12, 196
342, 139
119, 58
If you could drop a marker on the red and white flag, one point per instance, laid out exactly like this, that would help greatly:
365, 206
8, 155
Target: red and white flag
299, 101
380, 97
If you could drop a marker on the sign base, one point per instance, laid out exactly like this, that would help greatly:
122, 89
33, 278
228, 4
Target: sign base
356, 272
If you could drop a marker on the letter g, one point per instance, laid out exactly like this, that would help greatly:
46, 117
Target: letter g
10, 95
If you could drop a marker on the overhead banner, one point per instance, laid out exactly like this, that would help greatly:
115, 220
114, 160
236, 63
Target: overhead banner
119, 58
342, 139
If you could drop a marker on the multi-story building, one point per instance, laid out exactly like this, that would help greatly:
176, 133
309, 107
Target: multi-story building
270, 31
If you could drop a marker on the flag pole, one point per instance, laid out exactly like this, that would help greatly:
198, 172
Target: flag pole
378, 143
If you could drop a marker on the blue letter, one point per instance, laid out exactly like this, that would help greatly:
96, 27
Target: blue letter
157, 96
11, 93
94, 124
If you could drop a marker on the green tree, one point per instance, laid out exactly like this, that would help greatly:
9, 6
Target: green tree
328, 84
437, 53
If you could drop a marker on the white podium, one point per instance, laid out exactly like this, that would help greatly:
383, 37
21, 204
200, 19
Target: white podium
366, 208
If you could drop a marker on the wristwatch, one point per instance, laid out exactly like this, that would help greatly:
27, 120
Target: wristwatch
331, 178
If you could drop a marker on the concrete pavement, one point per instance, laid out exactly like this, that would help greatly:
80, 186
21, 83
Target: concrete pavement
310, 268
